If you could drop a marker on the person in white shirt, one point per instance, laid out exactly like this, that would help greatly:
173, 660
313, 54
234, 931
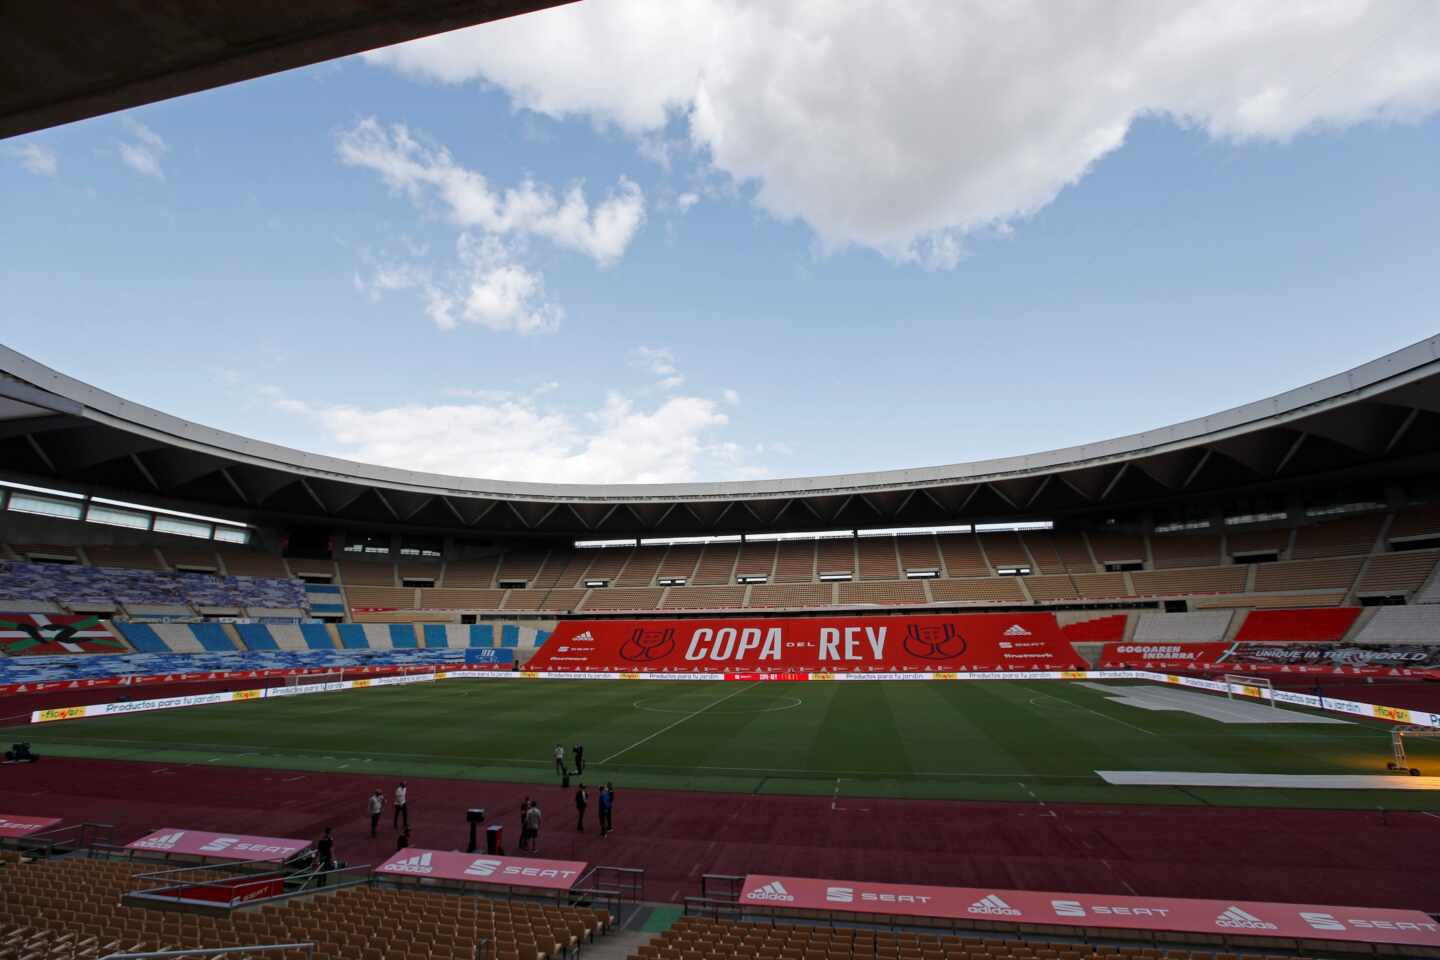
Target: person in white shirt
560, 760
402, 807
376, 804
532, 820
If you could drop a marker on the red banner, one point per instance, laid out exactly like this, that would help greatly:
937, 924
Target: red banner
1120, 656
477, 868
135, 680
950, 644
1233, 917
218, 846
236, 889
16, 825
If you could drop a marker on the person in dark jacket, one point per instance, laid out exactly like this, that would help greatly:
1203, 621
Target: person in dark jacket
582, 800
607, 809
325, 855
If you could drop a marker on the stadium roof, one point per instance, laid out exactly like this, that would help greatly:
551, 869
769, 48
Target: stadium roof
1381, 419
59, 64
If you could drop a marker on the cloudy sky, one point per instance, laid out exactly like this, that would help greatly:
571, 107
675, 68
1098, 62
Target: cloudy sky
667, 240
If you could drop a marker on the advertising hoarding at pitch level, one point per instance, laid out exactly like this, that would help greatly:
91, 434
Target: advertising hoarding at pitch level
19, 825
217, 846
751, 645
1294, 921
479, 868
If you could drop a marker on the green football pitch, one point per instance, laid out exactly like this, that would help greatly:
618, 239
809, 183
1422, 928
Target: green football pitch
1001, 740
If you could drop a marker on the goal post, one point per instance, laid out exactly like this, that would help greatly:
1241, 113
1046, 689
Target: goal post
304, 679
1259, 688
1401, 764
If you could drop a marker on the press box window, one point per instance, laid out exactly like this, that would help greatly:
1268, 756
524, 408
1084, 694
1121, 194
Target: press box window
45, 506
110, 516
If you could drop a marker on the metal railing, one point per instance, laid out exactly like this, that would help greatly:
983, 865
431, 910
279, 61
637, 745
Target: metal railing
612, 887
213, 951
714, 908
721, 886
180, 884
77, 836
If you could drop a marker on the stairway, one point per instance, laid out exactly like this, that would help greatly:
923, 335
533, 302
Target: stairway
617, 946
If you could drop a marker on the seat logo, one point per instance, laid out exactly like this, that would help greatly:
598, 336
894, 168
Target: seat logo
482, 868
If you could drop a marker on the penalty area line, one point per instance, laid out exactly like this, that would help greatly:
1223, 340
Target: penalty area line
672, 726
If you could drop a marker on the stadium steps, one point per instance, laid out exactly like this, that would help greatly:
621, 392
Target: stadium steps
1366, 615
1236, 623
1352, 598
618, 946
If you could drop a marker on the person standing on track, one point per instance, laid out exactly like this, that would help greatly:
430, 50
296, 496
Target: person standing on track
377, 803
582, 800
607, 809
402, 806
532, 821
324, 856
524, 822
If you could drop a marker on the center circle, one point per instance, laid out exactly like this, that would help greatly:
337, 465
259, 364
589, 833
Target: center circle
781, 703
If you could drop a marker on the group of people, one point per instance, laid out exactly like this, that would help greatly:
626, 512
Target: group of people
607, 808
402, 814
579, 753
530, 815
529, 812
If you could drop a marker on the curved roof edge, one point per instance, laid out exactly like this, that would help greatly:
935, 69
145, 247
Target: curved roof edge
1415, 362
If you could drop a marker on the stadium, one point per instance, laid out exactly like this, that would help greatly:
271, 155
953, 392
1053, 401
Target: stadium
1171, 694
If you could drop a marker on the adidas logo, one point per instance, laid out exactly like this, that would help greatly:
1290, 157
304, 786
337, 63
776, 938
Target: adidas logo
993, 906
1236, 919
585, 637
163, 842
771, 891
1016, 630
482, 868
420, 863
218, 844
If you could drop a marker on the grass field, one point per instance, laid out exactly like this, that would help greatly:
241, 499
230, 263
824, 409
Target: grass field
1011, 740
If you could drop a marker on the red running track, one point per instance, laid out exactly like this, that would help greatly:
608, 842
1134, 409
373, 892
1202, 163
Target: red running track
1318, 856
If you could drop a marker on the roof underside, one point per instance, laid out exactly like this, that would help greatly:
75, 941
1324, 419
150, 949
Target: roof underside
59, 64
1378, 421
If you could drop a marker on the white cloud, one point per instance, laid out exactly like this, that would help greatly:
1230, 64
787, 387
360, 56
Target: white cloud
505, 437
731, 397
904, 127
659, 361
487, 287
419, 170
36, 158
144, 151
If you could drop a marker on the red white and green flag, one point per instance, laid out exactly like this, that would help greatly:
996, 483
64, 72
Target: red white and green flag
23, 634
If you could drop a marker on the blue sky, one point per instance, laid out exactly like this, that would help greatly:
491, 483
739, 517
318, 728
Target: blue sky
776, 264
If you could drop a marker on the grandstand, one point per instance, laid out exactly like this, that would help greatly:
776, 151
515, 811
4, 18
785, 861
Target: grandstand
120, 611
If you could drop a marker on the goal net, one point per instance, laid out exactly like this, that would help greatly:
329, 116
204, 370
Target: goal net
304, 679
1259, 688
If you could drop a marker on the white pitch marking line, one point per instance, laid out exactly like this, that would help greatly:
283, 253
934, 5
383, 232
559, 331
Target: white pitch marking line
688, 716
